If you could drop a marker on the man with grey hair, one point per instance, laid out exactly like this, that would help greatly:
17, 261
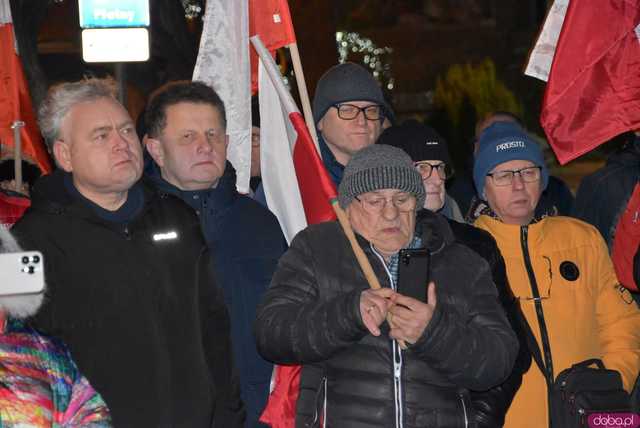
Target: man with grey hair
320, 312
131, 290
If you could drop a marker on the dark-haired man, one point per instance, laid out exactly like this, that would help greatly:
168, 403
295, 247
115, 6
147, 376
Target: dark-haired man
187, 139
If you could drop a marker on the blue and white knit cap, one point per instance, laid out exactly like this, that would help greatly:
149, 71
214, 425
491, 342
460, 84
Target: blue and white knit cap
503, 142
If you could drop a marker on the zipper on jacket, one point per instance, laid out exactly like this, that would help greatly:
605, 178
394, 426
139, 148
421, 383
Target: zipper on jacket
544, 334
127, 234
397, 357
464, 411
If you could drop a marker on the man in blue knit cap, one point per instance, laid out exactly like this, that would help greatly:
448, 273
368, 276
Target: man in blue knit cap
348, 110
517, 169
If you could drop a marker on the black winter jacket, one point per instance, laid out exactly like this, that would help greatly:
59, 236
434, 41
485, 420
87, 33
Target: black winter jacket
245, 242
311, 314
143, 317
490, 407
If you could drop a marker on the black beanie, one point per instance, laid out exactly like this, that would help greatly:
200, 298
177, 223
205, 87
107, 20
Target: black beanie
421, 142
347, 82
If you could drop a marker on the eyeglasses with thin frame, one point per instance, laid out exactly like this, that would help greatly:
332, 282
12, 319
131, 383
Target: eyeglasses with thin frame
529, 174
351, 111
425, 169
403, 202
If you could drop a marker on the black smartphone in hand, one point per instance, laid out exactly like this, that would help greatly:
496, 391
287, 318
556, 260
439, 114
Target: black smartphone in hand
413, 273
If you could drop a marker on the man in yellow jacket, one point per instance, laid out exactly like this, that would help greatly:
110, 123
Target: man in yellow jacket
558, 268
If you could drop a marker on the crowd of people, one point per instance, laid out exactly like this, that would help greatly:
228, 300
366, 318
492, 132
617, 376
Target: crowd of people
170, 296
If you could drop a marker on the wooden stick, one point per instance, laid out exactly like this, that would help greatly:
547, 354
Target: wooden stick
363, 261
17, 154
304, 94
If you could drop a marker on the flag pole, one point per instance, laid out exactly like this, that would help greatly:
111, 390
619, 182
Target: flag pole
304, 94
363, 261
17, 154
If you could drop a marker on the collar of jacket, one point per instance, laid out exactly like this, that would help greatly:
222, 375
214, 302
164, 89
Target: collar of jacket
480, 207
508, 235
334, 168
220, 196
50, 195
434, 230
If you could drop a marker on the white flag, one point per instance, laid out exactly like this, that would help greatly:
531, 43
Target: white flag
223, 63
541, 56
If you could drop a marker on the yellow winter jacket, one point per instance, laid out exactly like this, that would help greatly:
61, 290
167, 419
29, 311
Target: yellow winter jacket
587, 313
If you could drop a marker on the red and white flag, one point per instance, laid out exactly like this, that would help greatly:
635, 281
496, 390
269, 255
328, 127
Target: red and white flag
296, 183
15, 102
593, 92
226, 62
298, 190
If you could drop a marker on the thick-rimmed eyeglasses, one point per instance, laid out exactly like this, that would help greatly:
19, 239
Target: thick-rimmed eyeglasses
530, 174
376, 204
351, 111
426, 169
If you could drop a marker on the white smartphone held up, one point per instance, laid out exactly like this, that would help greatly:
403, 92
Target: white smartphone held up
21, 273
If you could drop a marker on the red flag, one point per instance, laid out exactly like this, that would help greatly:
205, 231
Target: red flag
15, 102
271, 20
593, 93
316, 187
298, 190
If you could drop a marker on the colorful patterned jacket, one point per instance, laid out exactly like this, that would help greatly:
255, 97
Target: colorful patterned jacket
40, 385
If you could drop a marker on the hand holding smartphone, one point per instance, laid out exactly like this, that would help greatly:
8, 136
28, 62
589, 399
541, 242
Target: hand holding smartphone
413, 273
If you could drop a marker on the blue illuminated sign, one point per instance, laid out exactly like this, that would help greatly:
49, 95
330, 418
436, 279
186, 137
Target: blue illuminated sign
114, 13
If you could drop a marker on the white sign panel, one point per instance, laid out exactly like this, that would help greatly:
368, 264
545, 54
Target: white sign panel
115, 45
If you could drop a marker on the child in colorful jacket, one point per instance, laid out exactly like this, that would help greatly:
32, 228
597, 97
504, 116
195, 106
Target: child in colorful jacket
40, 385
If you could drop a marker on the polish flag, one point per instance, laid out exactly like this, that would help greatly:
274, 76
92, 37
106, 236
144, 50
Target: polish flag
593, 92
298, 191
15, 102
226, 62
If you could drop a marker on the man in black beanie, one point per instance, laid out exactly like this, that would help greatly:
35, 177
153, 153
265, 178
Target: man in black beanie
430, 155
348, 110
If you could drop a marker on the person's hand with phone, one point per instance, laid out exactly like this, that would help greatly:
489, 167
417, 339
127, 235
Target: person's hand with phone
374, 305
411, 316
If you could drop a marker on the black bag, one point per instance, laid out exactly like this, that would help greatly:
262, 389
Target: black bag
581, 390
